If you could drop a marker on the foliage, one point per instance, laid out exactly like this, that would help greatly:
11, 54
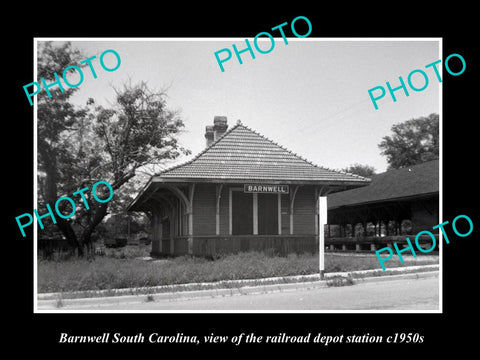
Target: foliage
359, 169
412, 142
78, 147
124, 224
138, 130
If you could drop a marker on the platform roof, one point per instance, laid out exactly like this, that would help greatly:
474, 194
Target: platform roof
410, 182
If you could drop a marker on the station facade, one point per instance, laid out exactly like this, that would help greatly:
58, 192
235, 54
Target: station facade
243, 192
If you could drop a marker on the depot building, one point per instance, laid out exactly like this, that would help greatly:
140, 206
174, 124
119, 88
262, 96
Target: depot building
243, 192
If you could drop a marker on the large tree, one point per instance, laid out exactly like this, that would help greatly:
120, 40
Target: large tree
412, 142
79, 147
56, 117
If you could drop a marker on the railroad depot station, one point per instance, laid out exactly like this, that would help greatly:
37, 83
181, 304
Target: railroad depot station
243, 192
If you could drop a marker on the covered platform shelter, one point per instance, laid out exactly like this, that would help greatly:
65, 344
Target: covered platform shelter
243, 192
397, 202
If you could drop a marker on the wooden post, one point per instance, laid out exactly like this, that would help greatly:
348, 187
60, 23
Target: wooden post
279, 221
217, 210
191, 191
230, 211
172, 220
317, 193
255, 214
292, 201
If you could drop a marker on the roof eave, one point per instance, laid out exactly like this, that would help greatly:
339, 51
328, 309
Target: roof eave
379, 201
355, 183
138, 204
140, 194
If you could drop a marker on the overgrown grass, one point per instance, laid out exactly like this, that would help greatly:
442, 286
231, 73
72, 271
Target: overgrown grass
126, 271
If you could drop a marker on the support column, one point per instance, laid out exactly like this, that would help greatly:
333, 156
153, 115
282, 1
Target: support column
230, 211
191, 191
171, 217
279, 221
317, 193
292, 201
255, 214
217, 210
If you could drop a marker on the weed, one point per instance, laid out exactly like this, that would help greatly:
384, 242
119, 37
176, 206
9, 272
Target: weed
59, 303
340, 281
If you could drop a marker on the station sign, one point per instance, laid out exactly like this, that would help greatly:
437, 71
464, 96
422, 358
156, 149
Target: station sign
266, 188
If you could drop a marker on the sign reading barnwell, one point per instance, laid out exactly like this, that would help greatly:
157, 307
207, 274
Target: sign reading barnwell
274, 189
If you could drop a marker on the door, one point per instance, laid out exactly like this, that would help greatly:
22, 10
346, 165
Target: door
267, 214
166, 236
242, 213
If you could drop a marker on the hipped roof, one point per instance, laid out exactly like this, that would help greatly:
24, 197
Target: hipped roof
243, 154
415, 181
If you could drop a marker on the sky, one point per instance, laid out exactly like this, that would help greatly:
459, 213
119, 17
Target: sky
310, 95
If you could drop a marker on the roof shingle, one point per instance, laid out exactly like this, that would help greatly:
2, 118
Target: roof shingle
407, 182
243, 154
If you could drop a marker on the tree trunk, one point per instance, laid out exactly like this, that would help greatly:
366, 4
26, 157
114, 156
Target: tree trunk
84, 240
51, 194
100, 212
86, 236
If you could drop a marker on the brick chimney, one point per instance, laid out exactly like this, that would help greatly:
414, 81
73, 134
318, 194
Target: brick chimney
219, 126
216, 131
209, 134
